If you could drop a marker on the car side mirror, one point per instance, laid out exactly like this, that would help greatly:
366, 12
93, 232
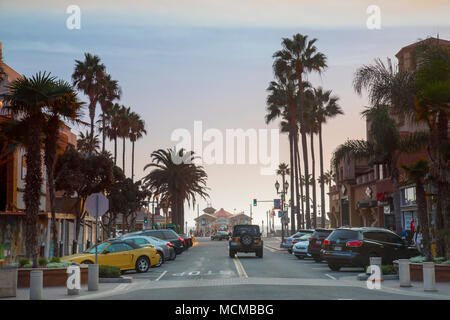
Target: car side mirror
106, 252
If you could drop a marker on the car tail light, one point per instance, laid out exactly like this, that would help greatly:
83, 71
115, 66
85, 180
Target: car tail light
294, 241
234, 239
169, 244
310, 238
326, 242
179, 239
354, 244
284, 240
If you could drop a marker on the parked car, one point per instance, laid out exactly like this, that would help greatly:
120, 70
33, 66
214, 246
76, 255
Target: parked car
246, 238
300, 248
355, 246
187, 240
119, 253
220, 235
167, 235
316, 241
291, 240
162, 248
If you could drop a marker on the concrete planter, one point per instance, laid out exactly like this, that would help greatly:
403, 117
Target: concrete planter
442, 272
8, 282
53, 277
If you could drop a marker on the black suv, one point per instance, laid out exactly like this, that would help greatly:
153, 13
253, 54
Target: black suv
246, 238
354, 247
168, 235
316, 242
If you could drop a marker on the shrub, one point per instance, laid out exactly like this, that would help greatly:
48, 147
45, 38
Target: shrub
446, 262
418, 259
23, 262
28, 265
43, 261
109, 272
63, 264
55, 259
388, 269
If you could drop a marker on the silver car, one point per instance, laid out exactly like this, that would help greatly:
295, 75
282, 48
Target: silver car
300, 248
162, 248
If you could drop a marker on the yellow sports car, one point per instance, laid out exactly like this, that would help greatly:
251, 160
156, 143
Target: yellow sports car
122, 254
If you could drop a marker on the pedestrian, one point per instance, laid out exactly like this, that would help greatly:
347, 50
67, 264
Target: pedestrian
418, 239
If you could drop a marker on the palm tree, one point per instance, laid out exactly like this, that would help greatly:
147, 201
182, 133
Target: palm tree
112, 125
124, 130
29, 98
384, 147
416, 174
109, 92
326, 108
88, 77
302, 57
65, 106
87, 145
137, 130
283, 171
176, 179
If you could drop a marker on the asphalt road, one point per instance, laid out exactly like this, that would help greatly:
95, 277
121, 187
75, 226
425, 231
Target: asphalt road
207, 272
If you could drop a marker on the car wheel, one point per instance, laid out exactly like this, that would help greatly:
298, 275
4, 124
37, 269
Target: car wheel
142, 264
232, 253
300, 257
290, 251
161, 259
334, 267
86, 262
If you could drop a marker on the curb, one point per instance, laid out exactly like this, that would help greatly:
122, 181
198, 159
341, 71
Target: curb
122, 279
278, 249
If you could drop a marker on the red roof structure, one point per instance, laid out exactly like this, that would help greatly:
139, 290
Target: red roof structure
222, 213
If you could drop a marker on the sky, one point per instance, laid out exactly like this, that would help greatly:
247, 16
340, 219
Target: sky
180, 61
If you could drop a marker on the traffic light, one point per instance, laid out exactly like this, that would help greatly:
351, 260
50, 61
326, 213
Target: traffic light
145, 220
255, 202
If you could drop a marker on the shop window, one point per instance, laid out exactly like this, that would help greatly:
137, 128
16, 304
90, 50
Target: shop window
408, 196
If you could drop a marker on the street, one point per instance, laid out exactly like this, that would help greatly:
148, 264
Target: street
206, 272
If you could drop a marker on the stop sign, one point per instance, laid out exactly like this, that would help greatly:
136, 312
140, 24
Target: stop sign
97, 204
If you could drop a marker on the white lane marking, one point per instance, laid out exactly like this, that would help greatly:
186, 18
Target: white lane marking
162, 275
330, 276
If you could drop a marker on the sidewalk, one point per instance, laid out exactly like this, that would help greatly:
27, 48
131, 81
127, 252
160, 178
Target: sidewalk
273, 243
60, 293
393, 286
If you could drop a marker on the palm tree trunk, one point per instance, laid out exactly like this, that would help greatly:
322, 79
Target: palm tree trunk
313, 162
123, 155
115, 151
296, 178
291, 156
103, 132
423, 220
132, 161
396, 199
443, 193
33, 183
92, 116
301, 187
322, 182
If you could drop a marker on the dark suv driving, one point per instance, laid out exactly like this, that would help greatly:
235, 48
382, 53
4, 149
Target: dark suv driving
354, 247
246, 238
316, 241
168, 235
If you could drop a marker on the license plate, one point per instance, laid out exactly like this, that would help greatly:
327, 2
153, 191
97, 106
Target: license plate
319, 242
338, 248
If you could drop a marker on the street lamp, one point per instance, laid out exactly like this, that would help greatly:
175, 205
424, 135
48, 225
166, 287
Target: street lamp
283, 193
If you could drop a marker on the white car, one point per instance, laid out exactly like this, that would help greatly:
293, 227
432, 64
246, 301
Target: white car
300, 249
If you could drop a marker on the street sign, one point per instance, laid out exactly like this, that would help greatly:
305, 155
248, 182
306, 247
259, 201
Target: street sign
276, 203
91, 204
97, 204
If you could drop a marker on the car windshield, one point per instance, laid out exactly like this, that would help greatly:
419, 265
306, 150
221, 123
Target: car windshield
304, 237
253, 230
100, 247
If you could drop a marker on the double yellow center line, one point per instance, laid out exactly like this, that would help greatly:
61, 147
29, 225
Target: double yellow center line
240, 268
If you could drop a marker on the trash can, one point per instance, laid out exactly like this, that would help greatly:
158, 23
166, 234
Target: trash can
8, 281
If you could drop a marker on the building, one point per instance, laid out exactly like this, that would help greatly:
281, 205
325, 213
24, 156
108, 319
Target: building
362, 195
212, 220
12, 207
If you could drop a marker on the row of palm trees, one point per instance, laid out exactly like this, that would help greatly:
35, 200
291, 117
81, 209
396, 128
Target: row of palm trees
421, 96
303, 110
116, 121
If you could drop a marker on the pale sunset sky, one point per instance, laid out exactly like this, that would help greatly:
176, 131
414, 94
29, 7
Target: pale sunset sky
178, 61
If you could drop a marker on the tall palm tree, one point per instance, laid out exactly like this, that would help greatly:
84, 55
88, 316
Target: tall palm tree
302, 56
124, 130
176, 179
137, 130
109, 92
416, 174
65, 107
283, 171
112, 125
87, 145
326, 107
88, 77
29, 98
